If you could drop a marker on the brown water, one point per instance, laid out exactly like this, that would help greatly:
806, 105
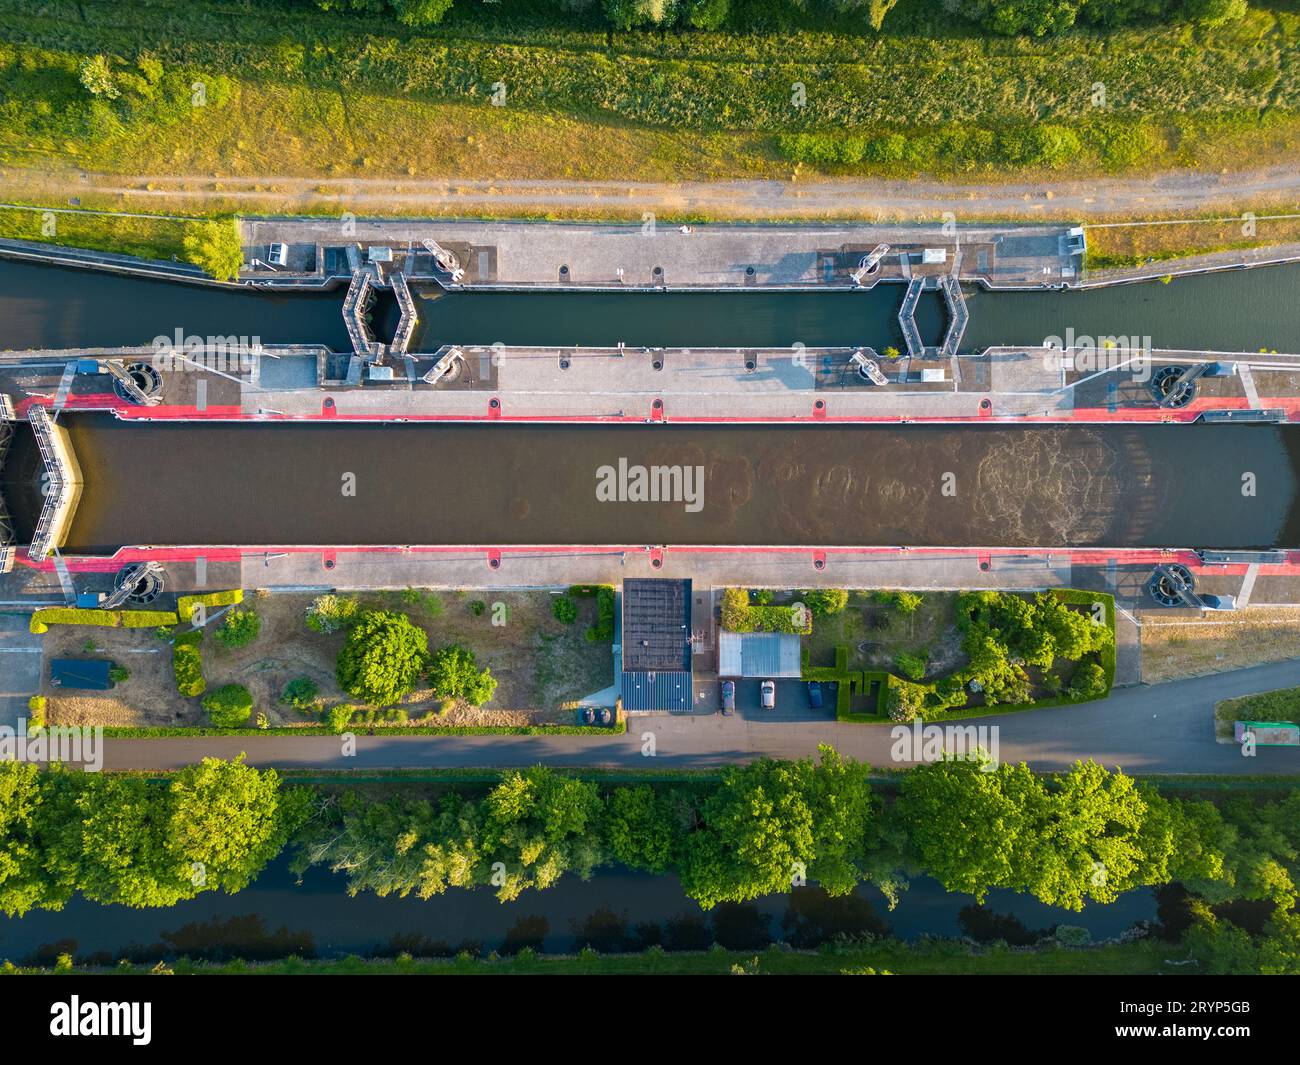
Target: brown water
1117, 486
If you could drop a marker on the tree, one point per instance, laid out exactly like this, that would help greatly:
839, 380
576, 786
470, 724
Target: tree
420, 12
757, 834
227, 820
564, 609
229, 706
37, 865
215, 246
972, 828
640, 828
539, 825
214, 826
239, 628
383, 658
454, 673
1089, 840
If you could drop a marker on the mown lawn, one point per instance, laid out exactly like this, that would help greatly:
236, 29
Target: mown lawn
296, 91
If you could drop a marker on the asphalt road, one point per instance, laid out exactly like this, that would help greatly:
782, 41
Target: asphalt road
1166, 728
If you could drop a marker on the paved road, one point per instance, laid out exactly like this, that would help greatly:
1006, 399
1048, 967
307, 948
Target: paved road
1165, 728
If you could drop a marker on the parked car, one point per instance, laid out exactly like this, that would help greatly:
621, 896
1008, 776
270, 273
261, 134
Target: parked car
728, 696
603, 715
768, 689
814, 695
586, 716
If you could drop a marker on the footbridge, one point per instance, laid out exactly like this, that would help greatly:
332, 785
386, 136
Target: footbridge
958, 316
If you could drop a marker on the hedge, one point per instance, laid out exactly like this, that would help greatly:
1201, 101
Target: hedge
186, 604
740, 615
112, 619
187, 664
415, 731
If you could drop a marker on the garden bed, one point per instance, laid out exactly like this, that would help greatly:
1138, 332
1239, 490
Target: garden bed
540, 664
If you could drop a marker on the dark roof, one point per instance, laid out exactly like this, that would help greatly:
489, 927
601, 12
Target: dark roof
656, 625
89, 674
657, 691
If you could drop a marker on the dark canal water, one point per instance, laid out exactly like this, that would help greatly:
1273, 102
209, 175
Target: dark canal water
1244, 310
233, 484
276, 916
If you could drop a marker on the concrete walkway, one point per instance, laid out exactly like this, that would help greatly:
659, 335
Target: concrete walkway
20, 667
1161, 729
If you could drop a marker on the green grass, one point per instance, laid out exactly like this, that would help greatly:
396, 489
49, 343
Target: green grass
889, 956
1280, 705
293, 90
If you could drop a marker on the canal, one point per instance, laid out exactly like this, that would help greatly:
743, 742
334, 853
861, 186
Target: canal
1205, 486
1242, 310
616, 909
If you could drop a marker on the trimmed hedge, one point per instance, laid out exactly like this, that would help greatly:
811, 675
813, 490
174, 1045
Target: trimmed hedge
186, 604
187, 664
110, 619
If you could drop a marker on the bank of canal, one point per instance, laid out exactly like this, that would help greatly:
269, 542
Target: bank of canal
277, 915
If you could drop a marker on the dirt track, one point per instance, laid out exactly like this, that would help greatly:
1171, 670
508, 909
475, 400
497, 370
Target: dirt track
1087, 199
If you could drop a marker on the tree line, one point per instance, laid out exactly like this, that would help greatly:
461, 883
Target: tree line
1036, 18
1068, 839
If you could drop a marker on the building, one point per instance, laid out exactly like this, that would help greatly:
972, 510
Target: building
763, 655
656, 645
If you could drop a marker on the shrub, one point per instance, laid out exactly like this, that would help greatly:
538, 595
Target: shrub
230, 706
118, 674
564, 609
187, 664
477, 607
606, 606
329, 613
215, 246
36, 712
339, 717
454, 673
383, 658
239, 628
301, 693
1088, 682
739, 615
826, 601
911, 666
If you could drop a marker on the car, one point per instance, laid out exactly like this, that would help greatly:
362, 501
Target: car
814, 695
586, 716
727, 691
768, 689
603, 715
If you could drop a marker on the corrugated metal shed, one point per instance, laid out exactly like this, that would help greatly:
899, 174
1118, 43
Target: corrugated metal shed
660, 690
758, 654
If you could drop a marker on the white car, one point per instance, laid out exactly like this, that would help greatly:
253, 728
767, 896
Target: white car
768, 690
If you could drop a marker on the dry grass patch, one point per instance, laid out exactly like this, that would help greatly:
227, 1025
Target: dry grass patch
1193, 646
